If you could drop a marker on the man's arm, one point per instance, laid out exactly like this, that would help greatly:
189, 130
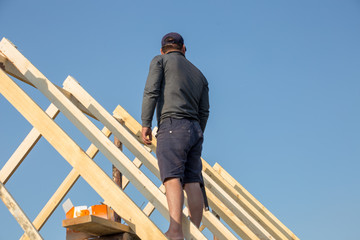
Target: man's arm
151, 94
204, 107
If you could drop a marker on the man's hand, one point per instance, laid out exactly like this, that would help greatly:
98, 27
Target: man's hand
146, 135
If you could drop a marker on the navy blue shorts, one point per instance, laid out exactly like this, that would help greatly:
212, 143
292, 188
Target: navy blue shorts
179, 145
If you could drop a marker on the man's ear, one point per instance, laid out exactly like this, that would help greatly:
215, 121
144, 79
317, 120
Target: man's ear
161, 51
183, 49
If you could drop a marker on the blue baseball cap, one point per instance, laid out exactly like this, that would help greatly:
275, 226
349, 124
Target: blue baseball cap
172, 37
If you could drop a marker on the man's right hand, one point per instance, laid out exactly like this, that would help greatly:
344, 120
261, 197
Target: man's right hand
146, 135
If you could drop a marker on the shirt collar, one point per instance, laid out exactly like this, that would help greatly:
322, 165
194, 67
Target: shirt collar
176, 52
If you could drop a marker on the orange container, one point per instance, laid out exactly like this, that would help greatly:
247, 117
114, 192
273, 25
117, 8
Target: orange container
100, 211
103, 211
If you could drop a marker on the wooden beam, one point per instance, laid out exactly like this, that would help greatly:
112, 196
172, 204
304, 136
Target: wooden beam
95, 225
234, 222
253, 201
75, 101
18, 213
87, 168
239, 202
136, 177
215, 192
132, 125
24, 149
11, 69
216, 227
56, 199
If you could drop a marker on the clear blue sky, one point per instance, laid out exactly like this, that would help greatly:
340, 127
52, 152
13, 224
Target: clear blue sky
284, 88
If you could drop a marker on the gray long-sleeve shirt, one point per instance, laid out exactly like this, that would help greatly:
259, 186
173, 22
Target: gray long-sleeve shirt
177, 89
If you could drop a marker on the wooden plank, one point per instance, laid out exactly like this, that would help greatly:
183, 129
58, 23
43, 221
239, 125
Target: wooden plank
231, 219
11, 69
239, 200
56, 199
137, 178
149, 208
218, 228
251, 199
75, 101
95, 225
217, 195
18, 213
125, 180
87, 168
209, 220
132, 125
24, 149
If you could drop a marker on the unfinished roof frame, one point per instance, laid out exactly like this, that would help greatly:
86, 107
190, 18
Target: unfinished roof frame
238, 208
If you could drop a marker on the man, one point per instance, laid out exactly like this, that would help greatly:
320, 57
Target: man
180, 93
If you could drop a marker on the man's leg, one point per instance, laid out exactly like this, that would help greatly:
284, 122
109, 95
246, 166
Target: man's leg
175, 199
195, 202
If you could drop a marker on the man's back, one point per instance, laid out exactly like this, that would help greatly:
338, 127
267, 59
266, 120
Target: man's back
180, 88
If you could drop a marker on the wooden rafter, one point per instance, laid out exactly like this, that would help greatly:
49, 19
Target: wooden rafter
259, 212
239, 200
12, 70
251, 199
238, 208
18, 214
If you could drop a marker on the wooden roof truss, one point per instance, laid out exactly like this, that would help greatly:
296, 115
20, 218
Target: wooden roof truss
243, 214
